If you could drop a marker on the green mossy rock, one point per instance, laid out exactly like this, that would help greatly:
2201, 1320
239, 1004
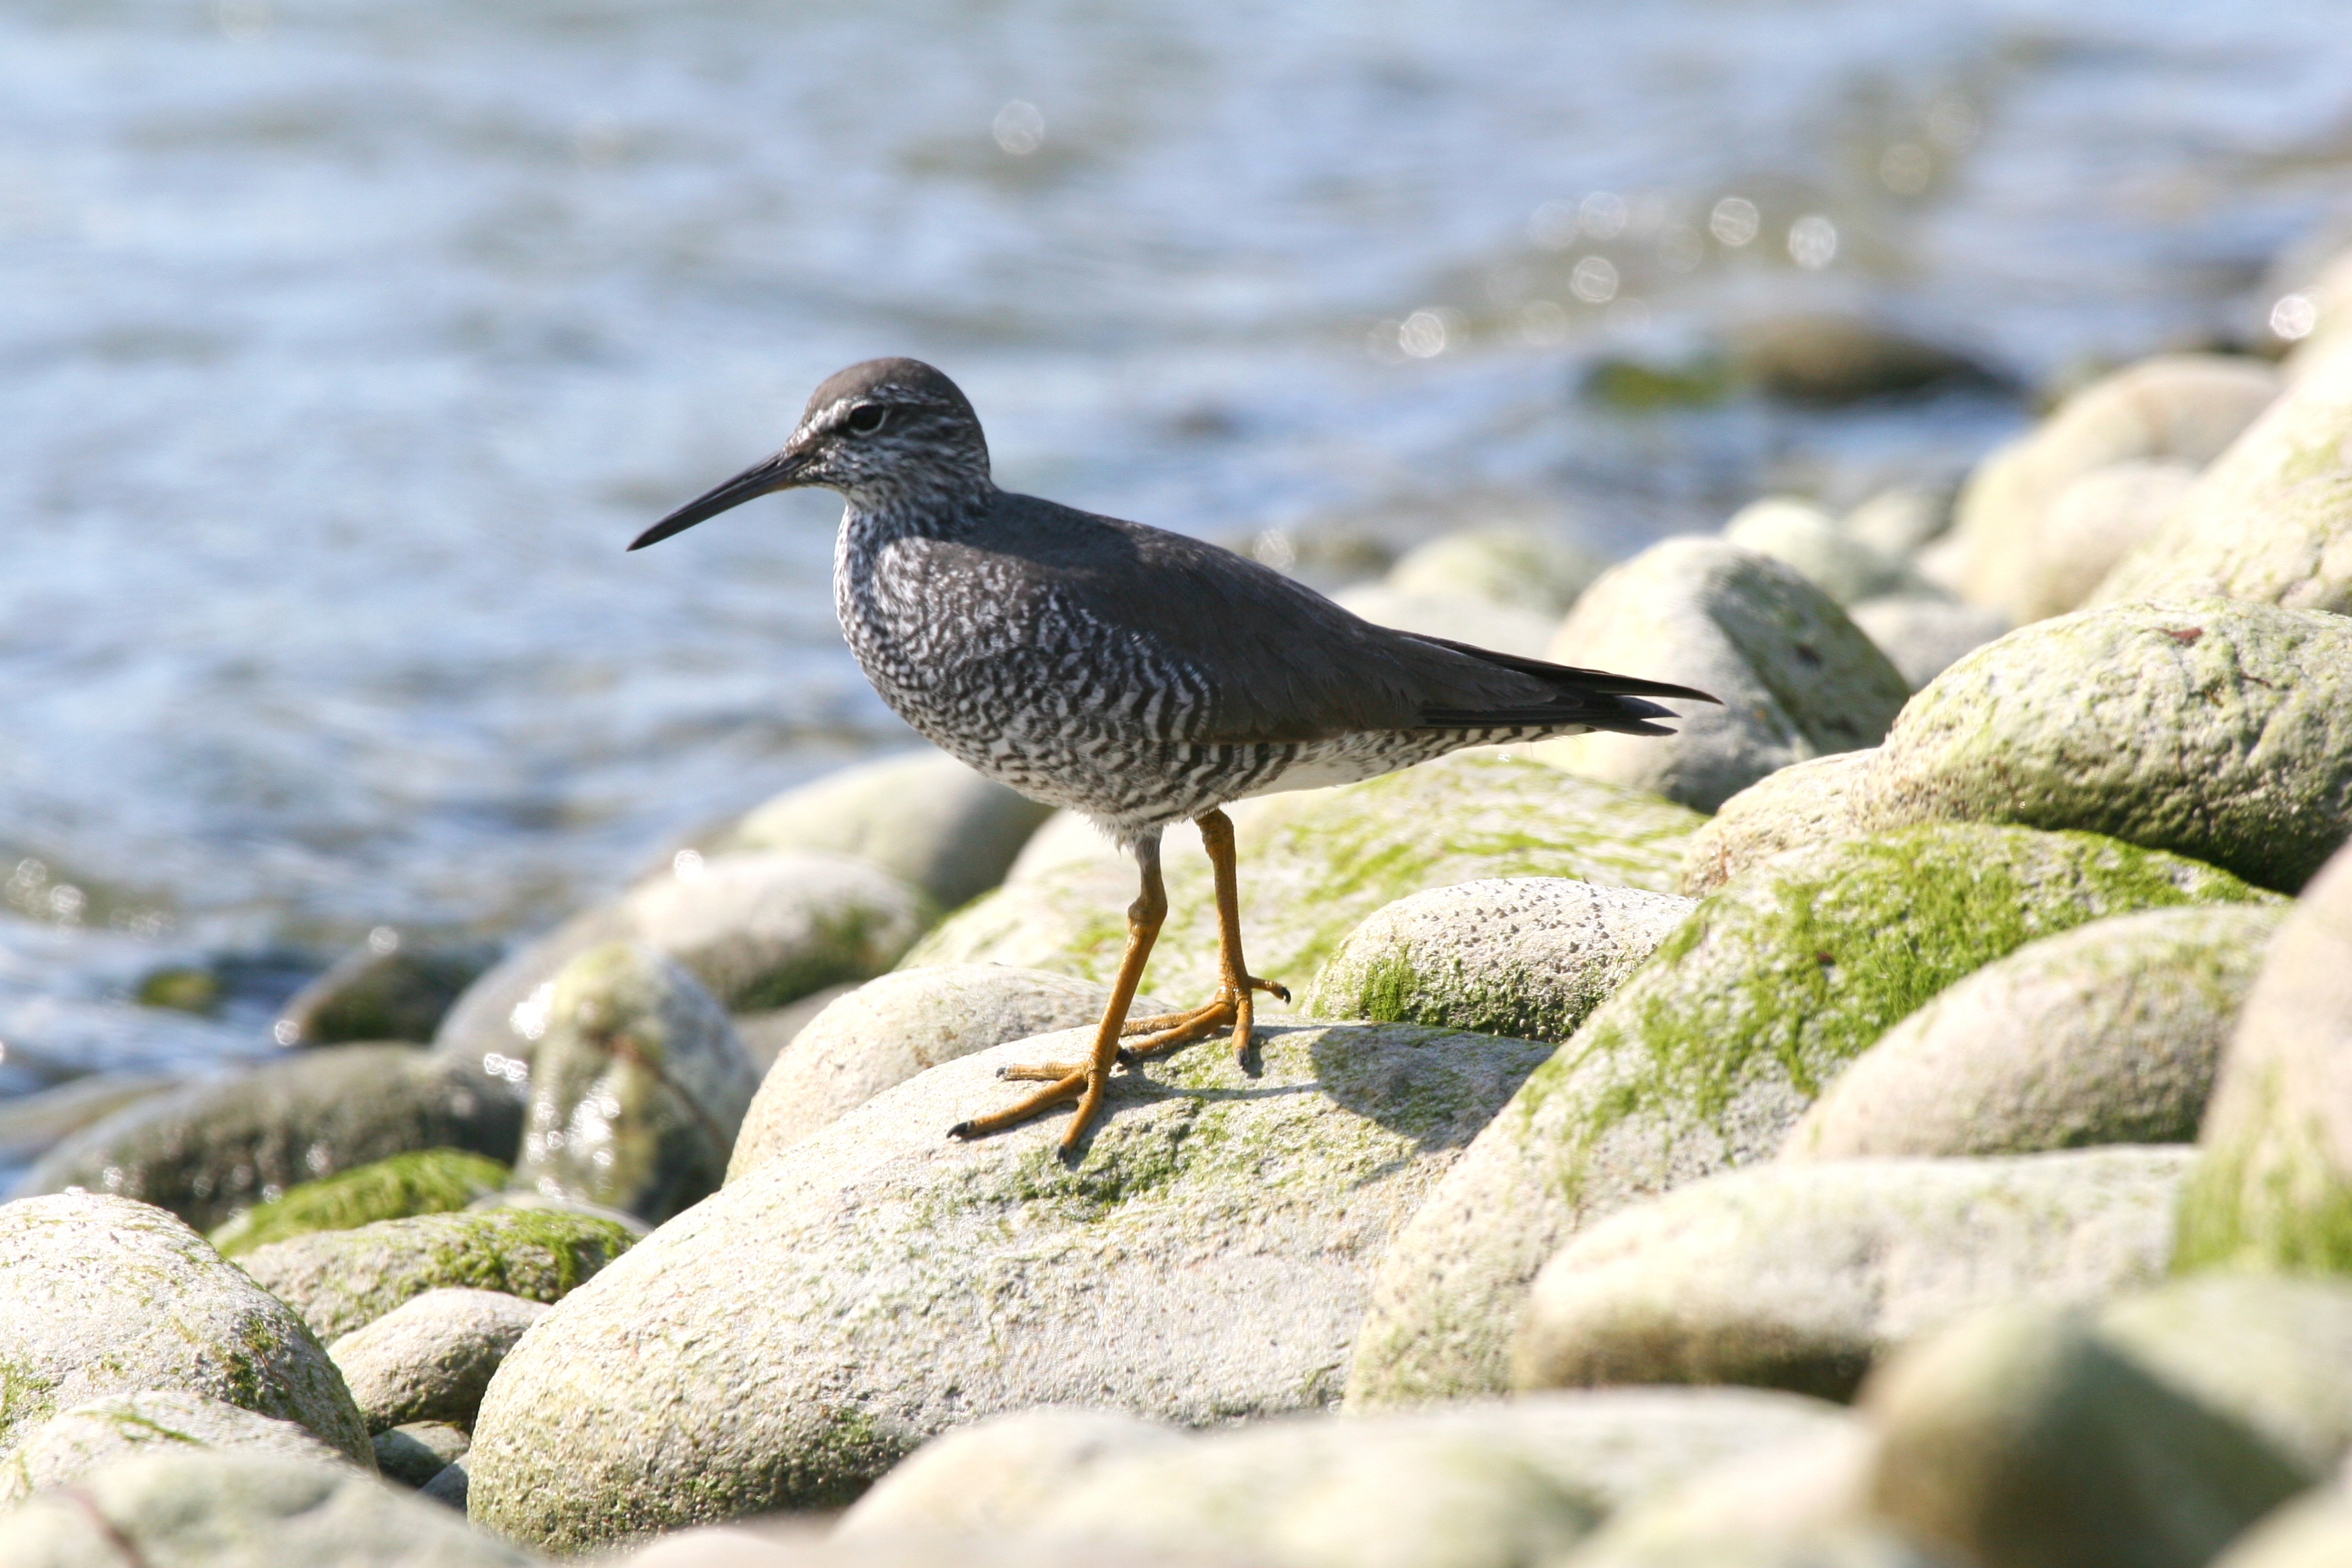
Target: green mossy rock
786, 1341
431, 1181
102, 1296
344, 1279
2214, 729
72, 1443
2272, 518
2276, 1188
1708, 1055
1315, 864
387, 988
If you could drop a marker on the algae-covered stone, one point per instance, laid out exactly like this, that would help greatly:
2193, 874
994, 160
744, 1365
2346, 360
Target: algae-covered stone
1535, 573
998, 1475
1315, 864
1796, 679
1705, 1059
429, 1358
390, 987
791, 1338
214, 1508
1476, 1486
637, 1089
211, 1148
895, 1025
1801, 806
1846, 568
1829, 358
2214, 729
1524, 956
2276, 1188
2106, 1034
2017, 1438
2272, 1351
102, 1296
344, 1279
431, 1181
1923, 635
2187, 408
1799, 1277
72, 1443
924, 818
2272, 518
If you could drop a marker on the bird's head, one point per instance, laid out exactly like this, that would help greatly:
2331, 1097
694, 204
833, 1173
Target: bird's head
881, 433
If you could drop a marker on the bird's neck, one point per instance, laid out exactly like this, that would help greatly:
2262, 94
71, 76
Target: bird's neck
936, 511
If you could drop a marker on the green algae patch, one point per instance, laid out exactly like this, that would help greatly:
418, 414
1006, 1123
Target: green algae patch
432, 1181
1706, 1058
1315, 864
344, 1279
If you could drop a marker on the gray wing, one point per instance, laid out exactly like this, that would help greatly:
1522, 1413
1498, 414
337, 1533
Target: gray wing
1280, 662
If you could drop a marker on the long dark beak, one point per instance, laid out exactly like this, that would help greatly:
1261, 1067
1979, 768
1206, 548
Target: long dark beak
779, 472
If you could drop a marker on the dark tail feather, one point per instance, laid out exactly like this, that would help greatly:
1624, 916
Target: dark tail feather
1593, 697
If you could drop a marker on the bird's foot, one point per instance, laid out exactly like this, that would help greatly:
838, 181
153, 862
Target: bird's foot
1064, 1083
1230, 1009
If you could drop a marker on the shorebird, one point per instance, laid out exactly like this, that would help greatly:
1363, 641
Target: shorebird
1135, 676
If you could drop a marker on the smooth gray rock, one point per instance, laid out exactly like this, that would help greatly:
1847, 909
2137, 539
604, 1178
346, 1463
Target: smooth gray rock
2109, 1033
1800, 534
72, 1443
637, 1088
2275, 1190
764, 1034
2091, 525
340, 1280
1475, 1486
795, 1542
102, 1296
1707, 1057
2215, 730
211, 1148
2314, 1530
390, 987
2186, 408
1802, 1277
1539, 574
1923, 635
788, 1340
413, 1454
2018, 1439
429, 1358
1316, 863
1805, 804
451, 1487
2272, 520
1904, 518
1795, 676
997, 1475
2272, 1351
208, 1508
923, 816
1524, 956
895, 1025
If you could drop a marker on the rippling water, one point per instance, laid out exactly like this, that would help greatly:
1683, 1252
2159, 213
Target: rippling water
346, 344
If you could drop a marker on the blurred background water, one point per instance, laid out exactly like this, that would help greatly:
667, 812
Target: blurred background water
346, 344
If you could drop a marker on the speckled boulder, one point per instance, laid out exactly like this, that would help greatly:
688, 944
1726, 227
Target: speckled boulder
924, 818
997, 1475
72, 1443
429, 1358
760, 929
2106, 1034
1708, 1055
2184, 409
1846, 568
2275, 1189
637, 1088
1524, 956
431, 1181
344, 1279
2214, 729
1534, 572
895, 1025
211, 1508
2017, 1438
1317, 863
1491, 1485
1799, 1277
2275, 1352
1803, 804
211, 1148
2272, 518
1923, 635
787, 1340
1796, 679
102, 1296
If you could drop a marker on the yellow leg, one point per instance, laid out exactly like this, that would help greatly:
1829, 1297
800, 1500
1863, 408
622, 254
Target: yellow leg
1232, 1007
1085, 1082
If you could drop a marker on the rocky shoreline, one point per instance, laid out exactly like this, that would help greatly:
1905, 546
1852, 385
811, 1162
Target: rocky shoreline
1905, 1119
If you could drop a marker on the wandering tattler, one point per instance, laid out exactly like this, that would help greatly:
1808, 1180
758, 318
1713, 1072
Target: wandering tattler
1134, 676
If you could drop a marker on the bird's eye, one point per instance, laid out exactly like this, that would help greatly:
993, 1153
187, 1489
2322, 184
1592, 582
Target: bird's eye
866, 419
